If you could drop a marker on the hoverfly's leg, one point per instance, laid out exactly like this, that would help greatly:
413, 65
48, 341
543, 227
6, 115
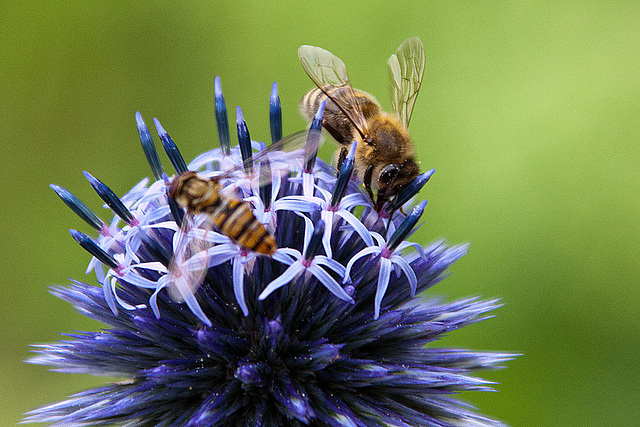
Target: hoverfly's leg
368, 175
341, 158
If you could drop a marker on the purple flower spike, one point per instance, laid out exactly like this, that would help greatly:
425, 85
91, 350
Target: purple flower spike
325, 332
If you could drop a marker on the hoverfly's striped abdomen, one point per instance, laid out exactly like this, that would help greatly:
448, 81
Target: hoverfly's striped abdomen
235, 220
232, 217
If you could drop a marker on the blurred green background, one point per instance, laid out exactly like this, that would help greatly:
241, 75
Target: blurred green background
529, 112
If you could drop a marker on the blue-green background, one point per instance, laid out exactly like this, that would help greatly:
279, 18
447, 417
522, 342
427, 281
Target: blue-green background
529, 111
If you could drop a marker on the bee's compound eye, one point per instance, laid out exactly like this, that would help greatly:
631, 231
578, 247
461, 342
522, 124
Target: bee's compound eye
388, 174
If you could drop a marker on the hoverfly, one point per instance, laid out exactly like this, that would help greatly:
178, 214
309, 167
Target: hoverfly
209, 205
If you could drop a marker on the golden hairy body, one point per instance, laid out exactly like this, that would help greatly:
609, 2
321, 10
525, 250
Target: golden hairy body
384, 158
389, 142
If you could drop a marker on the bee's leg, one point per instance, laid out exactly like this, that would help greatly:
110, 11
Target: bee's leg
380, 201
341, 158
335, 133
368, 175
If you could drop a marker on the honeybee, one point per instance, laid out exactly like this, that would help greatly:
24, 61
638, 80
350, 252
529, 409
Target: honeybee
385, 159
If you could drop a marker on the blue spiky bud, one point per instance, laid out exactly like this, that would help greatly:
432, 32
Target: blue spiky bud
171, 149
221, 119
148, 147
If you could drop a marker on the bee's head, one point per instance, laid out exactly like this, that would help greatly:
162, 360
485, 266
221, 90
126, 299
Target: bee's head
394, 177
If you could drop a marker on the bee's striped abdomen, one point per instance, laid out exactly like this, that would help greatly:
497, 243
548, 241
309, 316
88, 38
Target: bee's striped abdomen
310, 102
235, 220
335, 120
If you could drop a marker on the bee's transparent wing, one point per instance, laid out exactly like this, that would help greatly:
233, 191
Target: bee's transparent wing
329, 74
189, 264
406, 68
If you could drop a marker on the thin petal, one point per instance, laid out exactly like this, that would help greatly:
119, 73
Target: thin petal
108, 295
238, 285
123, 303
189, 298
356, 257
416, 246
298, 204
135, 193
358, 226
308, 231
379, 239
327, 217
157, 214
326, 196
211, 257
383, 283
206, 158
153, 302
408, 271
331, 263
328, 282
286, 277
132, 244
139, 281
354, 199
307, 184
154, 266
169, 225
286, 255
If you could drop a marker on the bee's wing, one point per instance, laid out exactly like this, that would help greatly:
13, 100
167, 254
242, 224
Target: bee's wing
189, 264
329, 74
406, 68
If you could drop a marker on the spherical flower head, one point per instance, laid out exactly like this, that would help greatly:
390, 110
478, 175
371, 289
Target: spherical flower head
326, 331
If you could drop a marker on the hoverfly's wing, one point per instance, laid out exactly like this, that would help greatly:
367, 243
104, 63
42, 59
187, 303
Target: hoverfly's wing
329, 74
406, 68
189, 264
279, 158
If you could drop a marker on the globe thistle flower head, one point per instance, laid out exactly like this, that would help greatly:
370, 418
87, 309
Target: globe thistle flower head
325, 331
